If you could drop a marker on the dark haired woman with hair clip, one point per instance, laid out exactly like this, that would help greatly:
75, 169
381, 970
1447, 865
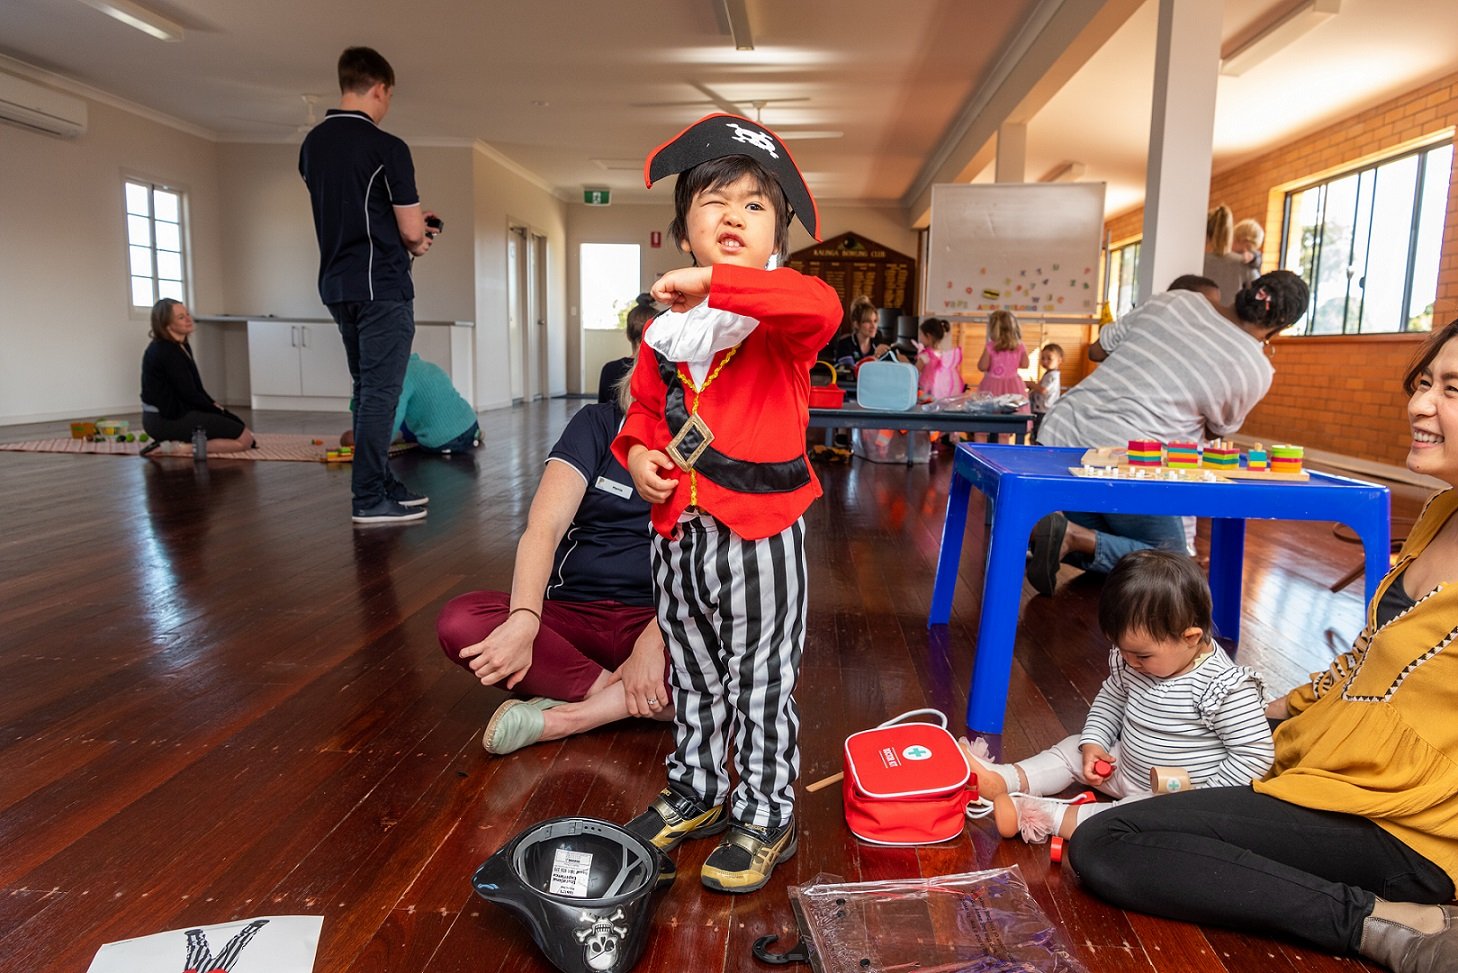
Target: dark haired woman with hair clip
1350, 843
1176, 368
174, 402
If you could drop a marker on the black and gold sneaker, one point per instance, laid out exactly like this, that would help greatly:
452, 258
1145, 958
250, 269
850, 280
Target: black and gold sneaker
673, 817
747, 855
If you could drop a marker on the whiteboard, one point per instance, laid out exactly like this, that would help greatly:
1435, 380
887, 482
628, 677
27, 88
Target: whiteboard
1021, 247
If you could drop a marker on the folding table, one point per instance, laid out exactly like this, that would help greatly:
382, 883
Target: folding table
1024, 483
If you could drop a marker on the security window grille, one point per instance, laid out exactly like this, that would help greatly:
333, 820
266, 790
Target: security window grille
1367, 243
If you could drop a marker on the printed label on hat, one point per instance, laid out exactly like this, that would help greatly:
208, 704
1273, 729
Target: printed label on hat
569, 873
917, 752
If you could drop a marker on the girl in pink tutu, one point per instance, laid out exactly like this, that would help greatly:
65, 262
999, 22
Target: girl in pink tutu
1004, 355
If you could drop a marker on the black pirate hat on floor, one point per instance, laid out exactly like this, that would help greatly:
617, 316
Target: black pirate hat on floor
719, 135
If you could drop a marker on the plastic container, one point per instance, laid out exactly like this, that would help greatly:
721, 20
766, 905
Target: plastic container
199, 445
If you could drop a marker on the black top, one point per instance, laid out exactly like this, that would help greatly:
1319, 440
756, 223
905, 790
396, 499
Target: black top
612, 374
1394, 602
846, 346
170, 381
604, 554
357, 175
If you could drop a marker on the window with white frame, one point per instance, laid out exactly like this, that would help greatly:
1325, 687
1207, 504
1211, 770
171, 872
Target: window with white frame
1367, 243
155, 243
1123, 267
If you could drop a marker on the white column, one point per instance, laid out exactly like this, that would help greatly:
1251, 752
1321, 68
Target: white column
1177, 190
1012, 153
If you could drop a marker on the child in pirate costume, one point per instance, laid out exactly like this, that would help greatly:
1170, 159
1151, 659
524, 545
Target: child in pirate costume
715, 440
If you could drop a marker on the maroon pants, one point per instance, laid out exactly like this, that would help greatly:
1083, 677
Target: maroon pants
576, 642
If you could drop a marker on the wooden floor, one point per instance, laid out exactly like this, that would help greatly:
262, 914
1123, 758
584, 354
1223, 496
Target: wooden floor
219, 700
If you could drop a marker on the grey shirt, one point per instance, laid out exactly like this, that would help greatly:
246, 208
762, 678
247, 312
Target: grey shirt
1177, 369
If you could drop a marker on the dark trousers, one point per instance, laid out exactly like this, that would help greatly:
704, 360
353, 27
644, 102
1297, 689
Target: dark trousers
1230, 857
215, 425
377, 337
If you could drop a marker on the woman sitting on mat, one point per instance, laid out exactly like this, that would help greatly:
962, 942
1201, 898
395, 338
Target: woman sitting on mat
1174, 368
578, 630
174, 402
1350, 844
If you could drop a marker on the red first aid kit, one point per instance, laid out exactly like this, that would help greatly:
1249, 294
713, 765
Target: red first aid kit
906, 783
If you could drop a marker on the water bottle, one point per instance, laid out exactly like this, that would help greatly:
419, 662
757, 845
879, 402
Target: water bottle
199, 445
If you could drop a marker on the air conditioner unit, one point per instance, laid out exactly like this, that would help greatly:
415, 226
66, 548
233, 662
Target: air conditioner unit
31, 106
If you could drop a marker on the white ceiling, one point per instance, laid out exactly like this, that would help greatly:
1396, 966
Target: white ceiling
576, 92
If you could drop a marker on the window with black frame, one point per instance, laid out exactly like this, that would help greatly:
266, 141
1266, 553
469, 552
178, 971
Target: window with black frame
1368, 241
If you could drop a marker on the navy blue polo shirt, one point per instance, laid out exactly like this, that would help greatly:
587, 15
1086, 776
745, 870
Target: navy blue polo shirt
357, 175
604, 555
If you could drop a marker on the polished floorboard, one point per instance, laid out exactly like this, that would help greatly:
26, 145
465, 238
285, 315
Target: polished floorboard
219, 700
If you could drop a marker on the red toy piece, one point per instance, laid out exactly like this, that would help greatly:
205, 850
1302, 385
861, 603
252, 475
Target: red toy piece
1055, 849
1103, 768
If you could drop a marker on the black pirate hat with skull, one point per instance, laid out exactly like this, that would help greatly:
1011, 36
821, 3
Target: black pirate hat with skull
719, 135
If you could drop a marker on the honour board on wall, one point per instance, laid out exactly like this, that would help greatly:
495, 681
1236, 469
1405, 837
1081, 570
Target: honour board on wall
1029, 248
854, 265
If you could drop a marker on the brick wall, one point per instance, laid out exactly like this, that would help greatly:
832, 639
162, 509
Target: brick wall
1341, 394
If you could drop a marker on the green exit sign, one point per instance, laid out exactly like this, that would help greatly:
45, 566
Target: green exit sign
595, 197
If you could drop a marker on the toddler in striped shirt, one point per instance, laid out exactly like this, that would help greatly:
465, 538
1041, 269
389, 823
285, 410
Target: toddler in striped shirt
1173, 699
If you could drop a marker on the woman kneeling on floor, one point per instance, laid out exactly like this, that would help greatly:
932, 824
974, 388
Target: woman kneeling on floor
578, 631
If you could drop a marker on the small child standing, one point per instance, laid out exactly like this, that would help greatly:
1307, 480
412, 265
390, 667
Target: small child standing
1172, 699
1043, 394
1004, 354
939, 364
715, 441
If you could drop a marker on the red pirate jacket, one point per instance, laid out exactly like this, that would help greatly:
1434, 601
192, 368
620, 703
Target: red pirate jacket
756, 407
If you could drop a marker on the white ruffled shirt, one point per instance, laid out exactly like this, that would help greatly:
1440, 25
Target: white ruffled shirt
695, 336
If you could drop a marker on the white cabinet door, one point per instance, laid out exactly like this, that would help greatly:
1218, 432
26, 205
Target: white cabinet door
324, 369
273, 358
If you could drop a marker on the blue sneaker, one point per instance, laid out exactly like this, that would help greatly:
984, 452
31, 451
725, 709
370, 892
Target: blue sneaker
387, 512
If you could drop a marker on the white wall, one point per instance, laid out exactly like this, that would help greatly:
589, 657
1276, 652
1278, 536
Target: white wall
72, 345
503, 198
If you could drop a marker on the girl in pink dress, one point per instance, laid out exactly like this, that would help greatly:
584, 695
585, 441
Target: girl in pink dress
940, 362
1004, 355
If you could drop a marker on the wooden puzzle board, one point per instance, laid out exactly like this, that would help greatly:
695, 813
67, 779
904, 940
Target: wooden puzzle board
1154, 474
1118, 457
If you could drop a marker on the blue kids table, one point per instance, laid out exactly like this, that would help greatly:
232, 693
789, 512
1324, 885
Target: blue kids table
1024, 483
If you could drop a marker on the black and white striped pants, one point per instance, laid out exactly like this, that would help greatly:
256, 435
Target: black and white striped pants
733, 616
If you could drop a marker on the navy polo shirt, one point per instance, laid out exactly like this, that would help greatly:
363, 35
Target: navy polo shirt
604, 555
357, 175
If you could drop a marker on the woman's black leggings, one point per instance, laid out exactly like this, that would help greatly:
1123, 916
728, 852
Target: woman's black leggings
216, 425
1230, 857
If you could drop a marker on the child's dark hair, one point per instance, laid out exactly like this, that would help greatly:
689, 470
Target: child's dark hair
361, 68
1159, 593
638, 317
1276, 300
936, 327
1056, 348
717, 173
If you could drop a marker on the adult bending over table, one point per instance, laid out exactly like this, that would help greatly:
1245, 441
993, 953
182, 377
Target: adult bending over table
578, 630
1350, 843
1177, 368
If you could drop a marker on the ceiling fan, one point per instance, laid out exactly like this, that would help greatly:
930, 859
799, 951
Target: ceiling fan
712, 97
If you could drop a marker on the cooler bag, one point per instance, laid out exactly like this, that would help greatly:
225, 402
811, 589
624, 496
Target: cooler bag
886, 385
906, 783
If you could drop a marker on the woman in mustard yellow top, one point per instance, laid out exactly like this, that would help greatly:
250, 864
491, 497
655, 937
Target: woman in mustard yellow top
1350, 843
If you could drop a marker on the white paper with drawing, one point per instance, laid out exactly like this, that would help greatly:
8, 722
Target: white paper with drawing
269, 944
1029, 248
